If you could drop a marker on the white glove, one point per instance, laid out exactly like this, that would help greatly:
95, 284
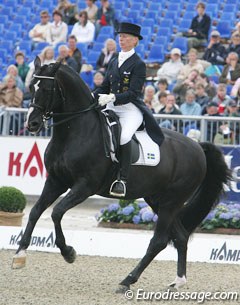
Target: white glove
106, 98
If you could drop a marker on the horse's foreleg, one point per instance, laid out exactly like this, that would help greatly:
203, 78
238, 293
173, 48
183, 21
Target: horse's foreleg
51, 191
158, 242
77, 195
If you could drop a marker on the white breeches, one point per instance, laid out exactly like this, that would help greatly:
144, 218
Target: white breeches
130, 119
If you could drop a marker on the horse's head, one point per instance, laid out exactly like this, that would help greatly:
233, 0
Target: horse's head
42, 87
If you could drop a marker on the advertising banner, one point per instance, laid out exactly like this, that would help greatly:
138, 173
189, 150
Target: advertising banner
22, 165
232, 158
222, 249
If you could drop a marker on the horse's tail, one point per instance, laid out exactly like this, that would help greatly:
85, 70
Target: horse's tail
209, 192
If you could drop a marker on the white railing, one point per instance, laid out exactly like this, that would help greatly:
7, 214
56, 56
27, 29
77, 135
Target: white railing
12, 124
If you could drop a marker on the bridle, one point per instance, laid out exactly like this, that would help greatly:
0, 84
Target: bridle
47, 114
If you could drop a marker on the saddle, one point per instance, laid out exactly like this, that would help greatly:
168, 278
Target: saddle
144, 150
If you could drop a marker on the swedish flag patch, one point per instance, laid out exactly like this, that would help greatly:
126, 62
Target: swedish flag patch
150, 156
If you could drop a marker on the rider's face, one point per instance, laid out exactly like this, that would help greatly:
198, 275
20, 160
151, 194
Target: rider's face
127, 42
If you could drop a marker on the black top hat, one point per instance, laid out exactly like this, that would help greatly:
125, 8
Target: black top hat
130, 28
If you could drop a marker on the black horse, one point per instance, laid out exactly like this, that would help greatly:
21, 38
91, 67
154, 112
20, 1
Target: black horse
181, 189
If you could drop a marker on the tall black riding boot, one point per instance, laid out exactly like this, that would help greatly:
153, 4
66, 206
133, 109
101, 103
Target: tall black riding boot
118, 188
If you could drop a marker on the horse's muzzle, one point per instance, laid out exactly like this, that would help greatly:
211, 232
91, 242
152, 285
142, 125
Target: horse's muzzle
34, 126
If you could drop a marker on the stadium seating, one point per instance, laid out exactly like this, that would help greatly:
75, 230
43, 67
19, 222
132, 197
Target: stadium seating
180, 43
156, 54
157, 18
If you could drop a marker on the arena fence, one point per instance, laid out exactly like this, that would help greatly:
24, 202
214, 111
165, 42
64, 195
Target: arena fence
220, 130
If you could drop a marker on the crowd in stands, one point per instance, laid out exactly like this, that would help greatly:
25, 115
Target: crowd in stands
199, 64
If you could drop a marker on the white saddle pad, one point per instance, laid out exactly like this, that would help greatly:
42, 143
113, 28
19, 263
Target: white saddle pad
149, 150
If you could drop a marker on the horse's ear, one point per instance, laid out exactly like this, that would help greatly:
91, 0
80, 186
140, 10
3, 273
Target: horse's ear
37, 63
55, 67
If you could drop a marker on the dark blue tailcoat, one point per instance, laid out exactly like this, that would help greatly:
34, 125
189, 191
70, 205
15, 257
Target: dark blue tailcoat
127, 84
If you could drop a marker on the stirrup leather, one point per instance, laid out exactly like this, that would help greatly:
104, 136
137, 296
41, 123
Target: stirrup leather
111, 192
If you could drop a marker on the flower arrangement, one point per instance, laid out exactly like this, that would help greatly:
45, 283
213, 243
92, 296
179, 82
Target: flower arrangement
128, 211
223, 216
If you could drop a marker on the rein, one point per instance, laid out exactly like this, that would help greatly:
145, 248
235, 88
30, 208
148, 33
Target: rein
71, 115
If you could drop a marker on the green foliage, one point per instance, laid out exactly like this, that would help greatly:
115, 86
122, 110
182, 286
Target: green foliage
11, 199
223, 216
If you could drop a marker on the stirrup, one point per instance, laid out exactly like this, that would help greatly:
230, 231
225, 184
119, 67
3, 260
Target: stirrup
114, 193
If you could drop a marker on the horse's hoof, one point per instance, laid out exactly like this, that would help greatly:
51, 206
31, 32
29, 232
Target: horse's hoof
19, 260
172, 287
177, 283
70, 256
122, 289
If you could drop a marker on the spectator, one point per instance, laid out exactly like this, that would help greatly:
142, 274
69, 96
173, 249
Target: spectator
10, 95
199, 29
231, 71
215, 52
235, 92
68, 10
57, 31
149, 92
105, 16
13, 70
39, 32
234, 45
161, 102
237, 28
97, 80
170, 69
107, 53
91, 10
190, 106
201, 96
232, 109
46, 57
182, 86
212, 126
162, 86
209, 85
193, 64
84, 29
221, 98
63, 56
74, 51
170, 108
21, 65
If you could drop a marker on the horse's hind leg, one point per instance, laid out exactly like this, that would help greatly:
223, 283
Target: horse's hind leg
78, 194
180, 240
51, 191
158, 242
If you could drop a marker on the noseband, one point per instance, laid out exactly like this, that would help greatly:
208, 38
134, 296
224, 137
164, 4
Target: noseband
47, 114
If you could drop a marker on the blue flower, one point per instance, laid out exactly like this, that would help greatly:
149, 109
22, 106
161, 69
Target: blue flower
127, 210
142, 205
155, 218
211, 215
102, 210
144, 210
147, 216
113, 207
136, 219
237, 215
226, 216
